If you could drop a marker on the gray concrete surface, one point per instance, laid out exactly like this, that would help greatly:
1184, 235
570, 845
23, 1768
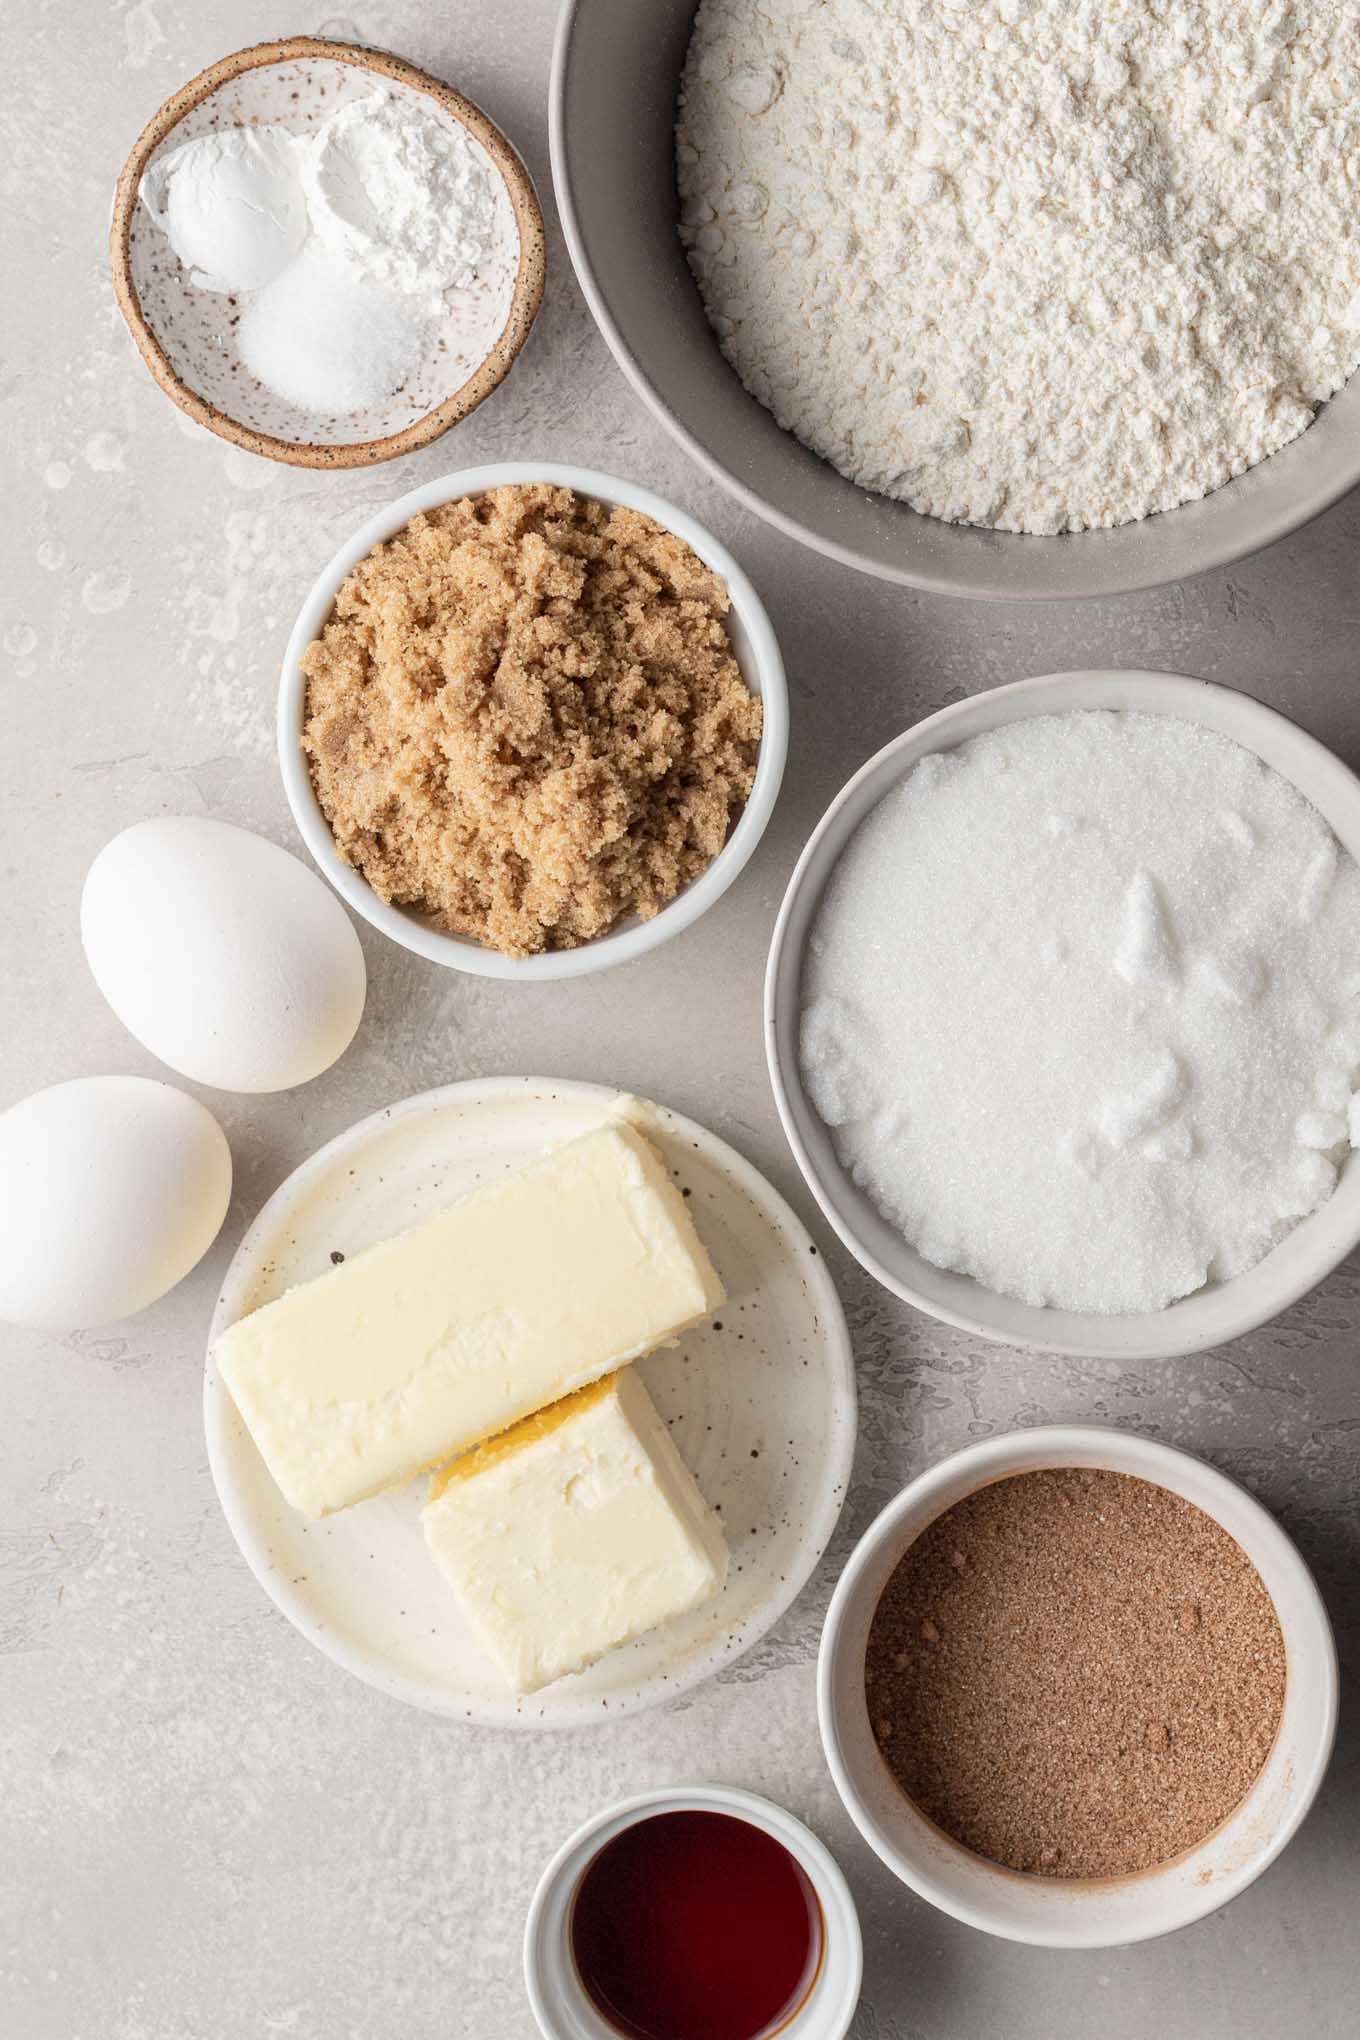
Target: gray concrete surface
207, 1832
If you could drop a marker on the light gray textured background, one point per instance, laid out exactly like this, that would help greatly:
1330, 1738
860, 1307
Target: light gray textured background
207, 1832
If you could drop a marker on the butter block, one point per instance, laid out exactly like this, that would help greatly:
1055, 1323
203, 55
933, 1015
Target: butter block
420, 1347
574, 1532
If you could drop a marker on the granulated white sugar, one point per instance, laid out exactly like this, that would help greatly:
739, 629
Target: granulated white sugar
1081, 1006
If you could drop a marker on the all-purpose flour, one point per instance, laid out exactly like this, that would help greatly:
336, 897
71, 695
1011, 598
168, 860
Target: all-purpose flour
1034, 264
1082, 1008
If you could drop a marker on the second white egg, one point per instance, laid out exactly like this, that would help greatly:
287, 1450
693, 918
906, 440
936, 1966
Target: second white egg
221, 954
111, 1190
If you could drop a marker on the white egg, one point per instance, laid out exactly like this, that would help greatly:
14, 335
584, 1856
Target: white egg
222, 954
111, 1189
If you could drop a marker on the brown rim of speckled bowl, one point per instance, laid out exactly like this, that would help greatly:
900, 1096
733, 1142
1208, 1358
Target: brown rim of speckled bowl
528, 292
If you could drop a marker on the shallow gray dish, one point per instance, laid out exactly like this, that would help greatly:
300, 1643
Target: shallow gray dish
616, 72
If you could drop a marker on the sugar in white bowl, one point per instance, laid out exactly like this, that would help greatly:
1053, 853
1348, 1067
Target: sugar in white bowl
1081, 1007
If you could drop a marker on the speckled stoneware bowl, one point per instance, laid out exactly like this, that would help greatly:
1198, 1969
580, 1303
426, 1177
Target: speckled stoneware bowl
187, 336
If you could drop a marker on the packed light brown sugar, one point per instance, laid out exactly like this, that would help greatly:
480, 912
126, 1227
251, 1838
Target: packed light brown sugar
526, 720
1075, 1673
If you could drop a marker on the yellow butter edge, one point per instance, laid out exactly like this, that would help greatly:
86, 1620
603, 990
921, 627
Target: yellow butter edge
528, 1430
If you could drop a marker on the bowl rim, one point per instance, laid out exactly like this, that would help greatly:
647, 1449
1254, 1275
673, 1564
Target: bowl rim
622, 945
1158, 1336
1228, 541
839, 1978
1145, 1458
526, 297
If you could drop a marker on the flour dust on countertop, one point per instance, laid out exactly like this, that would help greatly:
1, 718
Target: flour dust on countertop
1039, 265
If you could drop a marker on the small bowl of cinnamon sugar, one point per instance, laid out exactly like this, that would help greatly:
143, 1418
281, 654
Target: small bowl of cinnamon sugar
532, 721
1077, 1688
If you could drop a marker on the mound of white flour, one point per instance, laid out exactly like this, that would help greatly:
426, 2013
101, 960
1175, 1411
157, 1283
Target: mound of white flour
1035, 264
1081, 1007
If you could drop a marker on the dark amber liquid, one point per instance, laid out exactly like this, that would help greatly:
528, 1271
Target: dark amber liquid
695, 1926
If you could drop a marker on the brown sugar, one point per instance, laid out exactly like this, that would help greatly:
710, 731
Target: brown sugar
525, 718
1075, 1673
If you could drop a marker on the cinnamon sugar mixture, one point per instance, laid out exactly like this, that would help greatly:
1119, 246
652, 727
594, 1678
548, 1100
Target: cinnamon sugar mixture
1075, 1673
525, 718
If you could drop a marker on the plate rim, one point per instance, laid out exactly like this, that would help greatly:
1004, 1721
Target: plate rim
219, 1409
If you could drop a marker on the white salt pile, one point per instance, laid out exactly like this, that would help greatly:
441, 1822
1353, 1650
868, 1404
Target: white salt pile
330, 341
1082, 1007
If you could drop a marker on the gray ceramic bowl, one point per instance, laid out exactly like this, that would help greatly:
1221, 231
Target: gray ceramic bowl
616, 72
1214, 1314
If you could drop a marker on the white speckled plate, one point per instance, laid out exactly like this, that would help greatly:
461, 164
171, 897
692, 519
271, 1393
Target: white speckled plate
761, 1405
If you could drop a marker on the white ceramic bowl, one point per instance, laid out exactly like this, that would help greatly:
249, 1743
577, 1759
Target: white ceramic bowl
1216, 1313
1068, 1913
757, 653
559, 2002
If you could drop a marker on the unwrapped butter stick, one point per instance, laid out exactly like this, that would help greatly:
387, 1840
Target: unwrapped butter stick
574, 1532
416, 1349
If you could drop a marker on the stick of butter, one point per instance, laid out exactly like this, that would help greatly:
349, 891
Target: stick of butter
421, 1347
575, 1531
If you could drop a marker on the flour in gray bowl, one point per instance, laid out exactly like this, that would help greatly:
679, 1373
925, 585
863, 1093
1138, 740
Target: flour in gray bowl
1040, 265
